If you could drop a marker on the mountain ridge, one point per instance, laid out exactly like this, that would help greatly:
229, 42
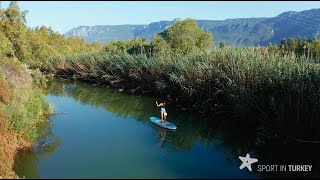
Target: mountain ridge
238, 31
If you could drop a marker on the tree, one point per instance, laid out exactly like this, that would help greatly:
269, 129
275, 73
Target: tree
283, 43
185, 36
6, 49
12, 24
271, 49
35, 46
223, 44
298, 46
291, 44
160, 46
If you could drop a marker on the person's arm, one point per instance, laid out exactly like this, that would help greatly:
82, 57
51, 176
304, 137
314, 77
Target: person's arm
158, 105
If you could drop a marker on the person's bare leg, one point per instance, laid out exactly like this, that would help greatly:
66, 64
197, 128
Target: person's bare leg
165, 118
161, 117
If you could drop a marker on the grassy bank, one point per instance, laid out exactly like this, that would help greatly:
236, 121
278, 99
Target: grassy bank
238, 83
22, 110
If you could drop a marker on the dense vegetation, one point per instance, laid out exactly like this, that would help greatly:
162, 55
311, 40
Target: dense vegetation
276, 86
23, 53
23, 112
235, 80
34, 46
183, 37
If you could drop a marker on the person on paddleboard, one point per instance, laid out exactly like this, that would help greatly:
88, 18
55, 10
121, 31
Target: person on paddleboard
163, 112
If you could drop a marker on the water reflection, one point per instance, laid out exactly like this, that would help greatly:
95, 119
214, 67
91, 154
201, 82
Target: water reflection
162, 137
193, 129
26, 161
229, 136
235, 138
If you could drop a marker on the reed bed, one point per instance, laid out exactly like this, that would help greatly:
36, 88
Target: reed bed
280, 92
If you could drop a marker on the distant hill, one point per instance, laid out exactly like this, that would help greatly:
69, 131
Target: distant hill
239, 32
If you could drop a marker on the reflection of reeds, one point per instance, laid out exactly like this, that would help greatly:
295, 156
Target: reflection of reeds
237, 81
139, 108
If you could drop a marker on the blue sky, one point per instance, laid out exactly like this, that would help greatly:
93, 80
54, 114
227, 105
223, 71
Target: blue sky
65, 15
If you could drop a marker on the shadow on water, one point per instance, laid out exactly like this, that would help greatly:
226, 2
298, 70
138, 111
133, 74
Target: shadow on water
234, 139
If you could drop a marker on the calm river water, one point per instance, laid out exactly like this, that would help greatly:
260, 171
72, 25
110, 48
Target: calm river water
101, 133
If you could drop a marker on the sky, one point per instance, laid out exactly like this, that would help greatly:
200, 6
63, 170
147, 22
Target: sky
62, 16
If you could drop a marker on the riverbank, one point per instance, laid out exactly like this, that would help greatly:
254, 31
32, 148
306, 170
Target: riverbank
22, 110
282, 93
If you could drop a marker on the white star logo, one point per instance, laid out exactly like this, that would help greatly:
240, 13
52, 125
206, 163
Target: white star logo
247, 161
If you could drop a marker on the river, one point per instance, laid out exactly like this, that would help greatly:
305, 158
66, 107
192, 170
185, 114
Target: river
102, 133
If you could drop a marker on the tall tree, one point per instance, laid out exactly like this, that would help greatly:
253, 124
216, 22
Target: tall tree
12, 24
185, 36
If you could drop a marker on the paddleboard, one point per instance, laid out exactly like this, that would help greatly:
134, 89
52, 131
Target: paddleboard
167, 124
